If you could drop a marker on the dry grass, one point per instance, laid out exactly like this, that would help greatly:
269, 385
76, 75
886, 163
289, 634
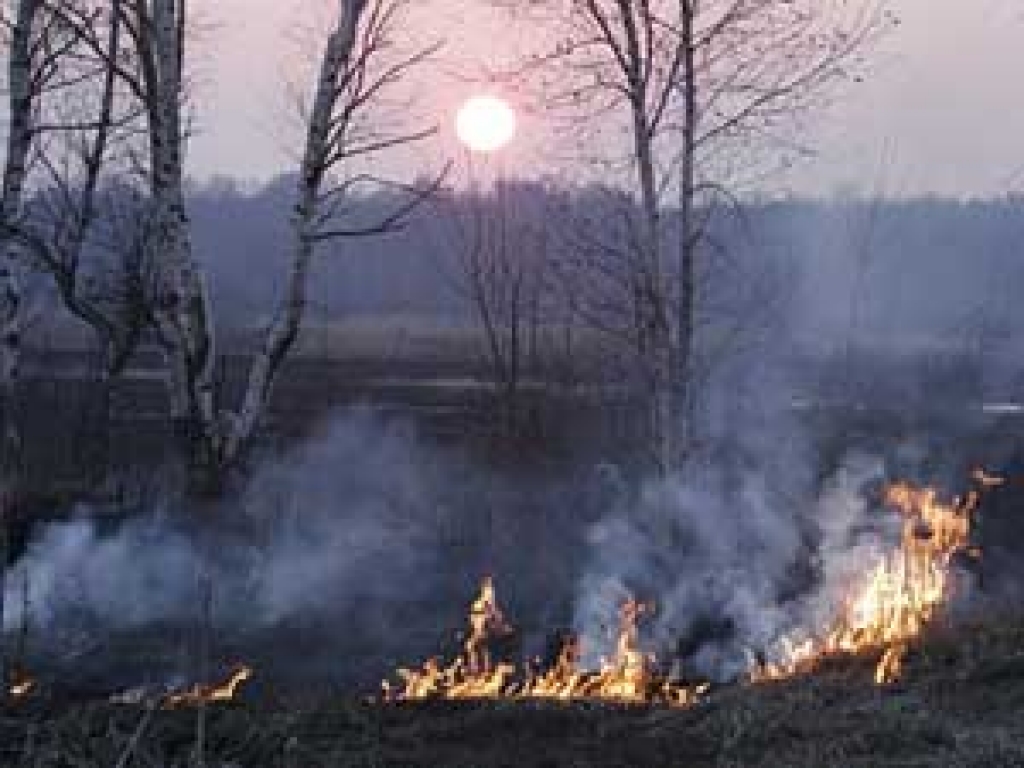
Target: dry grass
960, 704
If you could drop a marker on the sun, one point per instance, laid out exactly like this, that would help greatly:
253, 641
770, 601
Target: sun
486, 123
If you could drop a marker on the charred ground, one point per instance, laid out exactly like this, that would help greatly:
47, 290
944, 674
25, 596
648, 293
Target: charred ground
836, 717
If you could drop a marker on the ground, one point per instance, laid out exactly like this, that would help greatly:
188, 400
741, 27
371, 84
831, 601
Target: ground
960, 703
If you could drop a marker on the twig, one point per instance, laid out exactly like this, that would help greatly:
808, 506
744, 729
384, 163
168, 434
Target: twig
133, 742
205, 630
28, 752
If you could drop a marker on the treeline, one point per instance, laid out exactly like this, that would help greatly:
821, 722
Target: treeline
917, 271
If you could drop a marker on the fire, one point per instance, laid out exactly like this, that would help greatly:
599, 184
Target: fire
21, 686
891, 606
629, 676
485, 621
473, 674
891, 665
899, 597
210, 694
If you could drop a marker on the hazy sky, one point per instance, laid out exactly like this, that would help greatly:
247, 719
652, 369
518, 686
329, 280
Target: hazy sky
943, 110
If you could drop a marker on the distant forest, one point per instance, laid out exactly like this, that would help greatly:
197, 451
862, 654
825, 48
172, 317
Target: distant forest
889, 275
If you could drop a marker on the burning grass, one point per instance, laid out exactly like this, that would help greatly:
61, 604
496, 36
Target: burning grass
880, 616
629, 676
21, 685
211, 694
899, 597
960, 702
883, 683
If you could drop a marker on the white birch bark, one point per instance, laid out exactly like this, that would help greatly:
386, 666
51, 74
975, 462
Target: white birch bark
215, 439
282, 334
19, 144
181, 305
12, 300
57, 53
683, 414
680, 77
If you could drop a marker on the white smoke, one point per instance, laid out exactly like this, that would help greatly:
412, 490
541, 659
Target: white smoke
129, 579
720, 549
354, 531
347, 521
852, 537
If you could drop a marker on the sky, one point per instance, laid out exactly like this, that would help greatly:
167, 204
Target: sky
941, 111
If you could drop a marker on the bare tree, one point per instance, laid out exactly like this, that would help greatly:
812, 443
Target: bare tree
499, 245
65, 125
355, 72
358, 69
62, 122
693, 84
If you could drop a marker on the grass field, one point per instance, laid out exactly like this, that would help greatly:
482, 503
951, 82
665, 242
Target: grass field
961, 703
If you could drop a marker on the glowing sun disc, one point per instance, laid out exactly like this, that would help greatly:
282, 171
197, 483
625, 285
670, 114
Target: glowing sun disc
485, 123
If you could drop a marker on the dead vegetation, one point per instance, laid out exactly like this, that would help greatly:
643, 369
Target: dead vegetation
961, 703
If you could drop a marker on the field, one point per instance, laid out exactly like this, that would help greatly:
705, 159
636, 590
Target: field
961, 703
836, 717
80, 431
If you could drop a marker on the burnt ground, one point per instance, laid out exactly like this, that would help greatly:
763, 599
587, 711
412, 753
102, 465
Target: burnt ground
960, 703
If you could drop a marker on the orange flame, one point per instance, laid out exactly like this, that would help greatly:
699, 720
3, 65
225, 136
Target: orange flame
210, 694
891, 665
472, 674
900, 596
628, 677
21, 686
889, 608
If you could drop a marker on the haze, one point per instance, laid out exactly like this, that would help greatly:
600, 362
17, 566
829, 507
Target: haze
698, 422
933, 116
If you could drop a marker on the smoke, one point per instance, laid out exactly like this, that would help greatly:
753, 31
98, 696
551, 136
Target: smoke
364, 545
707, 551
351, 520
372, 542
733, 557
851, 534
72, 570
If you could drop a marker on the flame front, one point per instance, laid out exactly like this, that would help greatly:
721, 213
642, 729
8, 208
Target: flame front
890, 607
473, 674
210, 694
628, 677
899, 597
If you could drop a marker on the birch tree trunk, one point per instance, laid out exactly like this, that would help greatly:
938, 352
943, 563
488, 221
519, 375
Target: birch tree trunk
683, 75
19, 137
683, 368
212, 439
57, 53
654, 305
12, 303
285, 329
19, 144
181, 305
